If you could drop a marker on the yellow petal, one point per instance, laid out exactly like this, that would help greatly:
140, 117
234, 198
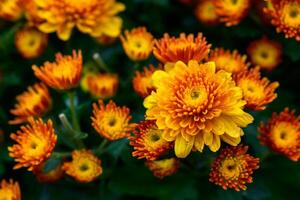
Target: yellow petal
158, 76
230, 140
210, 67
199, 142
150, 100
183, 147
216, 143
208, 138
47, 27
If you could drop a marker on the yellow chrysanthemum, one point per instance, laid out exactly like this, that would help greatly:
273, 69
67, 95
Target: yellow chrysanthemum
163, 168
10, 10
35, 143
257, 91
184, 48
137, 43
229, 61
10, 190
63, 74
30, 42
195, 105
231, 12
50, 176
111, 121
205, 12
34, 102
84, 167
282, 134
94, 17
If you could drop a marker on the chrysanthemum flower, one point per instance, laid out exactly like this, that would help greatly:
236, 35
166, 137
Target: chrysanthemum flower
231, 12
195, 105
10, 10
205, 12
137, 43
163, 168
147, 141
84, 167
233, 168
265, 53
49, 177
257, 91
230, 61
35, 102
184, 48
282, 134
35, 143
285, 15
111, 121
94, 17
31, 12
10, 190
30, 42
63, 74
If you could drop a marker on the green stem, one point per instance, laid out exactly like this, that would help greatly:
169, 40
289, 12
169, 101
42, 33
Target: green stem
100, 62
73, 111
100, 148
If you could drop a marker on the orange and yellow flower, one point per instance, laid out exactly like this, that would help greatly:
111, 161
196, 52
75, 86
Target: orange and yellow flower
137, 43
183, 48
282, 134
35, 143
84, 167
195, 106
51, 176
163, 168
230, 61
257, 91
63, 74
147, 141
205, 12
111, 121
31, 12
34, 102
10, 190
233, 168
231, 12
10, 10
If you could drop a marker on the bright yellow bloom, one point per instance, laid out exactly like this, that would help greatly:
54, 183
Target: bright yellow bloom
137, 43
84, 167
163, 168
282, 134
257, 91
233, 168
205, 12
184, 48
94, 17
195, 106
49, 177
10, 10
10, 190
34, 102
35, 143
111, 121
63, 74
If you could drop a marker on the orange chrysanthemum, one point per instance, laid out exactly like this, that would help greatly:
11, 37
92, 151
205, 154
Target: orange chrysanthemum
51, 176
147, 141
111, 121
10, 190
195, 105
35, 143
229, 61
257, 91
63, 74
35, 102
205, 12
10, 10
31, 12
137, 43
30, 42
184, 48
285, 15
233, 168
84, 167
163, 168
94, 17
265, 53
231, 12
282, 134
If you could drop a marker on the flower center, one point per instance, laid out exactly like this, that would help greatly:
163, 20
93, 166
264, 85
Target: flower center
229, 168
227, 63
284, 135
264, 54
84, 167
251, 89
195, 96
112, 122
291, 14
155, 137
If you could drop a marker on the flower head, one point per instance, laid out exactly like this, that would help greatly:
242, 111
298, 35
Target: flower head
257, 91
205, 12
111, 121
35, 143
195, 105
137, 43
282, 134
10, 10
183, 48
63, 74
84, 167
163, 168
50, 176
10, 190
34, 102
147, 141
233, 168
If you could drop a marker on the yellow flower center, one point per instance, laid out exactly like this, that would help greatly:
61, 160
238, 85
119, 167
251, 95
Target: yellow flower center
227, 63
31, 100
233, 5
208, 10
195, 96
291, 14
6, 194
154, 139
35, 145
265, 55
230, 168
251, 89
84, 167
139, 44
284, 135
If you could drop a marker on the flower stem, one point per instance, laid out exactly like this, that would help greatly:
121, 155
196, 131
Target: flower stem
73, 111
98, 59
99, 150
